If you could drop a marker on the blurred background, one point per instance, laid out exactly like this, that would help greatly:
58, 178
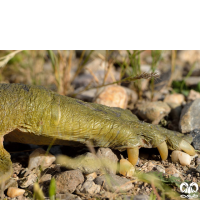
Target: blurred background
81, 72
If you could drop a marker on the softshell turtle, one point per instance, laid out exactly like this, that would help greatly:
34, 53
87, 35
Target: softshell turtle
35, 115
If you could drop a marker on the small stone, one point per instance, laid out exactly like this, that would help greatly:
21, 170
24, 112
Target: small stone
193, 95
15, 192
90, 187
141, 197
198, 160
160, 168
179, 156
153, 111
28, 177
177, 99
190, 117
39, 157
91, 177
115, 183
192, 81
198, 168
110, 160
189, 175
113, 96
45, 177
67, 196
171, 170
68, 181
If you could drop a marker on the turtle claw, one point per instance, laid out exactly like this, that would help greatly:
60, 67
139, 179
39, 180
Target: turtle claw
185, 146
163, 150
133, 154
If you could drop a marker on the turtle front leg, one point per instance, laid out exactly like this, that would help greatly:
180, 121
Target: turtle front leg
5, 166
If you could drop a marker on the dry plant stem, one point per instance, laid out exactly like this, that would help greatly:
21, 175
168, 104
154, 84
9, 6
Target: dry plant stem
67, 70
5, 59
94, 76
163, 150
133, 154
129, 79
2, 189
107, 72
91, 147
79, 65
155, 191
173, 63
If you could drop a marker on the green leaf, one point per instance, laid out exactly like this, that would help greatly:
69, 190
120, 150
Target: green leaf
52, 189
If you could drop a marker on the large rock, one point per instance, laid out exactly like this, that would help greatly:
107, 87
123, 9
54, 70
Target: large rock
190, 115
68, 181
196, 138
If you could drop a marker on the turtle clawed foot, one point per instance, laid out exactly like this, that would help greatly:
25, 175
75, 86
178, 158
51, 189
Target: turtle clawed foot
133, 153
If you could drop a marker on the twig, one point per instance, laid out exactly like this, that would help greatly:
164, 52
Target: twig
155, 191
5, 59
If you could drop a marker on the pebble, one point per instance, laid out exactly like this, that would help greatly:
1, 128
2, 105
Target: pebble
198, 168
181, 157
193, 95
110, 160
171, 170
190, 115
113, 96
15, 192
141, 197
38, 157
90, 187
91, 177
114, 183
68, 181
192, 81
190, 56
153, 111
177, 99
27, 178
67, 196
